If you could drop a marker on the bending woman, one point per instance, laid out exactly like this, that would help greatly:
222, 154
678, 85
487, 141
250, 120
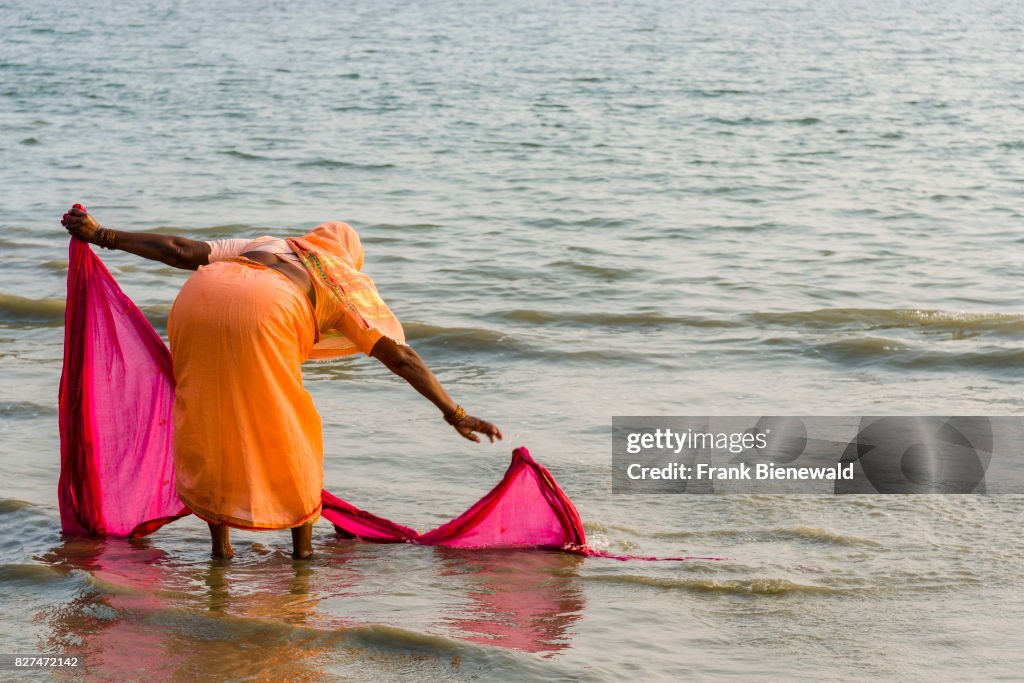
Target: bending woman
248, 446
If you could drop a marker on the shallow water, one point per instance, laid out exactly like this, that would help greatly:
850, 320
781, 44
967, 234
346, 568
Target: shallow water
579, 211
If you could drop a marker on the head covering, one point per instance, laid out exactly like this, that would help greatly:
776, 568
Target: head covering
333, 255
339, 239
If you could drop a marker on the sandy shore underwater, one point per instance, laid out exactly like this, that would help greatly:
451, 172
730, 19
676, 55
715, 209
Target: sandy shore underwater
578, 212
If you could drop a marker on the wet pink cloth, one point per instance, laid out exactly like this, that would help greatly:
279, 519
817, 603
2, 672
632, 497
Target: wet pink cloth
116, 396
525, 509
116, 428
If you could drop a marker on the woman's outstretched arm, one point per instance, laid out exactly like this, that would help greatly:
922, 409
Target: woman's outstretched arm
180, 252
407, 364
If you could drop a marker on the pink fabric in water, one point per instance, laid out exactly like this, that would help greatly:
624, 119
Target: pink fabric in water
351, 522
525, 510
116, 428
116, 396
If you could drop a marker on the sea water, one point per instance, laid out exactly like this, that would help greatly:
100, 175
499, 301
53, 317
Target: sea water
578, 210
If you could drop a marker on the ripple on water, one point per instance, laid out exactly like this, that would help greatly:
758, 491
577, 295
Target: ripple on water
25, 312
881, 318
798, 533
899, 338
754, 586
602, 319
25, 410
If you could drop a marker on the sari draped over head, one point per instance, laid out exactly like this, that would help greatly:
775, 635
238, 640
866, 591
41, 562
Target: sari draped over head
333, 255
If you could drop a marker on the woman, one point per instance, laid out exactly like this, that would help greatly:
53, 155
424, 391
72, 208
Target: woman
248, 447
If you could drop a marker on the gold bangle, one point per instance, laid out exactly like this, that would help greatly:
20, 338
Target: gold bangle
456, 416
106, 238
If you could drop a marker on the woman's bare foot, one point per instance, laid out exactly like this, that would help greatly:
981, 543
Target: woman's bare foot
302, 541
221, 543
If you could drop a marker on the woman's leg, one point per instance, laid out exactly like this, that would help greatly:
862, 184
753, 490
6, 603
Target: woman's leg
302, 541
221, 543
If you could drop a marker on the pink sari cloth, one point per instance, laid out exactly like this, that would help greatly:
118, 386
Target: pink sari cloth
115, 402
117, 470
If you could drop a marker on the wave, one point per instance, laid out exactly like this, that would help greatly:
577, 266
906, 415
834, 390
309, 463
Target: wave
742, 121
640, 320
13, 505
254, 231
717, 92
8, 244
28, 573
26, 313
600, 527
799, 533
19, 410
381, 636
732, 586
58, 265
607, 273
884, 318
901, 338
897, 353
19, 311
480, 340
157, 315
462, 338
369, 233
220, 231
237, 154
334, 163
551, 223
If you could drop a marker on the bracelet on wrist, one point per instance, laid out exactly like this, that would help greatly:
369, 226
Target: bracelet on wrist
106, 238
456, 416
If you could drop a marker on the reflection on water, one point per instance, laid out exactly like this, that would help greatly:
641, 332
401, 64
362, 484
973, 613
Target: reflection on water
146, 612
526, 600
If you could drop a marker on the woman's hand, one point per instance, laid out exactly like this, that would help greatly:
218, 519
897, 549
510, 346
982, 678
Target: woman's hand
469, 424
180, 252
80, 224
402, 360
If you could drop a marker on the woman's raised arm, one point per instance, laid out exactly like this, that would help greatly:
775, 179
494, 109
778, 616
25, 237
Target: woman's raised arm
407, 364
180, 252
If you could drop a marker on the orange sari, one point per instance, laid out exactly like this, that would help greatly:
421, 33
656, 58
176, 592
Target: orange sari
248, 445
